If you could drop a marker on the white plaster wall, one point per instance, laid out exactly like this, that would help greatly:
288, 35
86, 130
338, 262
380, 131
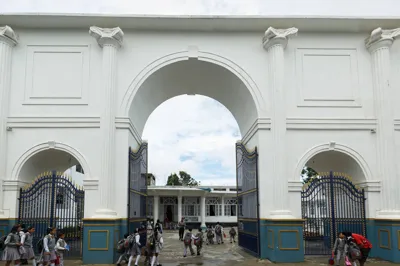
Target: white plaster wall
72, 116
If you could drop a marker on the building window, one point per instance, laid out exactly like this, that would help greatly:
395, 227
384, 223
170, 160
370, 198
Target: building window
230, 207
190, 206
213, 207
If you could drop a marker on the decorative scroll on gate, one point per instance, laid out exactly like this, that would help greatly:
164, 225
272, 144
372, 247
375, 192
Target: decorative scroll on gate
137, 184
53, 200
247, 195
331, 203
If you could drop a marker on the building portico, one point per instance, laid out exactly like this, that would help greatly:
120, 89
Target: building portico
199, 206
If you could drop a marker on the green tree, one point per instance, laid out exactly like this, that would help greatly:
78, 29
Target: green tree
308, 174
182, 179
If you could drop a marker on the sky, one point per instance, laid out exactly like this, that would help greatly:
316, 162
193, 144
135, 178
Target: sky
195, 134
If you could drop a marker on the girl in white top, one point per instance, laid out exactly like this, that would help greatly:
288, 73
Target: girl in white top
135, 250
158, 242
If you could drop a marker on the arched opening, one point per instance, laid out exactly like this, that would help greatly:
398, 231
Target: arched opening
331, 201
53, 196
193, 77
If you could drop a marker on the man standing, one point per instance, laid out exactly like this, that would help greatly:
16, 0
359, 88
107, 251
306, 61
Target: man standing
181, 225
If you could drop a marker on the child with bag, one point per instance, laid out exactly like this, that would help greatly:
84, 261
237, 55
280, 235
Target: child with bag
60, 248
338, 248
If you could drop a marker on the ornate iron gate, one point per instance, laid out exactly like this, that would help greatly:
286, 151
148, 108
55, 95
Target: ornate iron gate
53, 200
137, 184
247, 195
331, 204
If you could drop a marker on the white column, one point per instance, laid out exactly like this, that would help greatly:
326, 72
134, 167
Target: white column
156, 213
110, 40
275, 41
379, 44
179, 208
223, 206
8, 39
203, 211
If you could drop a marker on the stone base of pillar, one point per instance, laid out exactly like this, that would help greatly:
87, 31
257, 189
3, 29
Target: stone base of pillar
282, 240
281, 215
99, 240
105, 213
383, 235
203, 226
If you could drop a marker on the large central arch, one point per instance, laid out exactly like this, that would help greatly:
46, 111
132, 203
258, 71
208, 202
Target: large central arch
194, 72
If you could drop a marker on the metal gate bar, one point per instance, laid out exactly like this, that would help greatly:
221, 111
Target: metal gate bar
53, 200
331, 204
247, 199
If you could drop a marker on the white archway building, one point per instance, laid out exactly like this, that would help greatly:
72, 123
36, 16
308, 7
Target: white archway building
317, 94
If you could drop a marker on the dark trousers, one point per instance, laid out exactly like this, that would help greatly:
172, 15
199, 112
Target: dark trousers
364, 254
181, 231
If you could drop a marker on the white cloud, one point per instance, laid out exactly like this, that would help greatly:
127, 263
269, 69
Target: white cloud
195, 128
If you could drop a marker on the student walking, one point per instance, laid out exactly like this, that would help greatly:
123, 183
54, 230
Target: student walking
219, 234
199, 241
338, 248
12, 244
232, 234
26, 242
181, 225
49, 245
157, 245
187, 241
134, 247
123, 250
60, 248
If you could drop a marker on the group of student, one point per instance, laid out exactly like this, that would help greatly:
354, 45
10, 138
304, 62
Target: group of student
351, 247
17, 247
130, 247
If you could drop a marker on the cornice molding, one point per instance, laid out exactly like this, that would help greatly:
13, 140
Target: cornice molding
381, 38
370, 186
107, 36
259, 124
274, 36
91, 184
53, 122
8, 35
126, 123
331, 123
295, 186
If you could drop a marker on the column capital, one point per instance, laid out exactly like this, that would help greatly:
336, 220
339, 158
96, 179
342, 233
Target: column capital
274, 36
107, 36
380, 38
8, 35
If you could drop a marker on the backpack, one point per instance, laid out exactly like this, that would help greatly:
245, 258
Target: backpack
188, 238
2, 240
210, 234
354, 252
232, 232
198, 241
121, 246
218, 230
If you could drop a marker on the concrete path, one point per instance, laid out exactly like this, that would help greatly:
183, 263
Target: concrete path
218, 255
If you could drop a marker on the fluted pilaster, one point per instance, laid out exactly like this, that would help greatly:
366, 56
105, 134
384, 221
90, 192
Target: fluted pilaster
8, 39
203, 211
379, 44
275, 41
110, 40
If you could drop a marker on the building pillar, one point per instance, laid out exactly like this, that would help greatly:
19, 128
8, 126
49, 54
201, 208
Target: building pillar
179, 208
223, 206
110, 40
385, 227
275, 42
378, 44
203, 211
156, 204
280, 235
8, 39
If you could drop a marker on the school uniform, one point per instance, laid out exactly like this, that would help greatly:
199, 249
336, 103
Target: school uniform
49, 245
60, 249
157, 247
338, 249
199, 242
187, 241
219, 237
11, 252
232, 234
26, 241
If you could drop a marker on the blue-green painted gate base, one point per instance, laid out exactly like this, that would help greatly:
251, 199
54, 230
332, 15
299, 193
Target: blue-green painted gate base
282, 240
385, 238
100, 238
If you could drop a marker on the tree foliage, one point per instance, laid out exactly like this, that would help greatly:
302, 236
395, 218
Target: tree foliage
308, 174
182, 179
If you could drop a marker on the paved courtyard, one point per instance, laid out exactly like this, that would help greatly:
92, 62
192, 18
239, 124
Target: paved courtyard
218, 255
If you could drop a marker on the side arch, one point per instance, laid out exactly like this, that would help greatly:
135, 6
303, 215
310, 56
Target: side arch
308, 155
48, 146
186, 55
